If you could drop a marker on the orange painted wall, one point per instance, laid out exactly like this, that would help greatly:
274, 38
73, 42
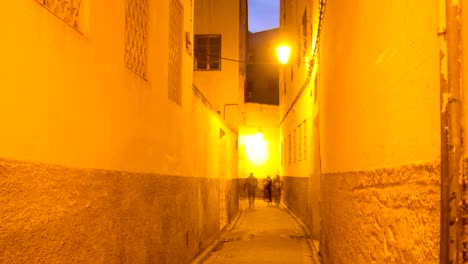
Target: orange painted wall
380, 132
96, 163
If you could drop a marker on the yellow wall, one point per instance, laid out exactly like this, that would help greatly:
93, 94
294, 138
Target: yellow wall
372, 107
380, 132
294, 77
379, 85
299, 112
265, 117
71, 100
97, 165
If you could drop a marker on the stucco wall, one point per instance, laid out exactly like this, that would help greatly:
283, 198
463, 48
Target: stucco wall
70, 99
389, 215
56, 214
380, 132
299, 116
97, 165
379, 85
59, 214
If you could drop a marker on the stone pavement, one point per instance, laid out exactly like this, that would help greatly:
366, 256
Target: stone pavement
264, 234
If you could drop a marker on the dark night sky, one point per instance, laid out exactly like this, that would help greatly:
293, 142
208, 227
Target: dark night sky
263, 15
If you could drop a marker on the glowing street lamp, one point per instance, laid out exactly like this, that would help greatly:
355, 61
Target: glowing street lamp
283, 53
256, 148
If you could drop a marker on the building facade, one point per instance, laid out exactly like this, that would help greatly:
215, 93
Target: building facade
108, 152
368, 129
220, 38
220, 50
262, 68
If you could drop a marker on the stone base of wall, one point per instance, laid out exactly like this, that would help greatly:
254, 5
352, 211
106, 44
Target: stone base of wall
296, 197
232, 190
465, 208
382, 216
54, 214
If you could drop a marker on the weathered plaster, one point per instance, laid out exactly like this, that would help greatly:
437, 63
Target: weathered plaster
379, 85
296, 196
389, 215
55, 214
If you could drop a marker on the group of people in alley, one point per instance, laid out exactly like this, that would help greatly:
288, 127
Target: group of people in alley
272, 189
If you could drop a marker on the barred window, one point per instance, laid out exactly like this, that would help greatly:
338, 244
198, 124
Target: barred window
136, 35
289, 148
67, 10
304, 33
176, 14
285, 151
299, 143
305, 138
294, 146
207, 52
282, 151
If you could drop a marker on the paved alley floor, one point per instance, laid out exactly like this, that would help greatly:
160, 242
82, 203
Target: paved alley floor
264, 234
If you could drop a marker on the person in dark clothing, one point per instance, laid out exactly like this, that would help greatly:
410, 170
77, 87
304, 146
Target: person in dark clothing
267, 190
277, 188
251, 185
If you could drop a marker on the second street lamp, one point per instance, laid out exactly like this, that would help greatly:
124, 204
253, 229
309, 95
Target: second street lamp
283, 52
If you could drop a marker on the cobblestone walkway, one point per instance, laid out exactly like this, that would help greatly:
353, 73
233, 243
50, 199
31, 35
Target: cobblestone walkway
264, 234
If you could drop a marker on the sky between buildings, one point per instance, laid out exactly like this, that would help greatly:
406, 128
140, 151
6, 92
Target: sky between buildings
263, 15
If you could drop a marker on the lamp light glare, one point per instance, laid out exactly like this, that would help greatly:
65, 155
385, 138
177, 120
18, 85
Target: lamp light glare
283, 54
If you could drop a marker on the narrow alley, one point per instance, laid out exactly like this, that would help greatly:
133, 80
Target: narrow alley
263, 234
134, 131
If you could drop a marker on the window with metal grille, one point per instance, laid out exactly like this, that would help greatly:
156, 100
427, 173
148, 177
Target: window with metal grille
305, 138
294, 146
176, 31
67, 10
304, 33
207, 52
299, 143
136, 35
282, 152
299, 45
285, 151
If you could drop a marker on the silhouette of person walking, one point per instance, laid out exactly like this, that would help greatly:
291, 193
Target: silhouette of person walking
251, 185
277, 188
267, 190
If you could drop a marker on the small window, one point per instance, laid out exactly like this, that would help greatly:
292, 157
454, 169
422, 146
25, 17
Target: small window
207, 52
282, 151
68, 11
305, 138
299, 143
285, 151
136, 36
304, 33
294, 146
176, 31
289, 149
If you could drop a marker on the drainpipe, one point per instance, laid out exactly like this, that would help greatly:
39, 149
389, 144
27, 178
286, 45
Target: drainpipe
451, 226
